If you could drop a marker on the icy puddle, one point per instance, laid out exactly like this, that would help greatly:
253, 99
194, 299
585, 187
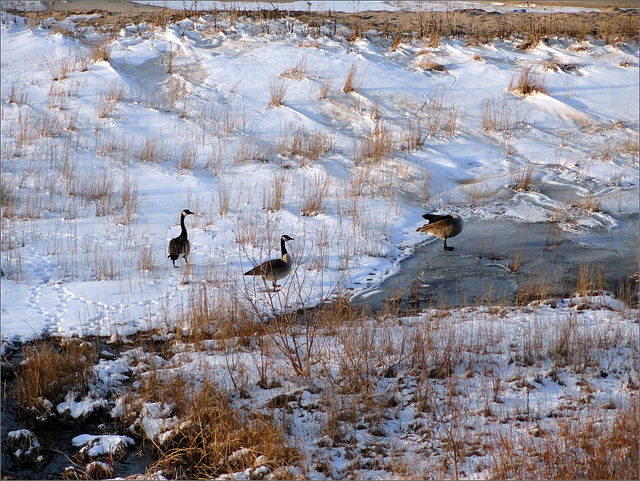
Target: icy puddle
505, 262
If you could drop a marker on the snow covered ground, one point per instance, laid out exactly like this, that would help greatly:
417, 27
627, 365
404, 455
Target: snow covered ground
127, 146
249, 126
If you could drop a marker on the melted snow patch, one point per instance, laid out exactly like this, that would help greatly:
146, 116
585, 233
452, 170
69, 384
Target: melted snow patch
107, 444
24, 438
83, 407
155, 421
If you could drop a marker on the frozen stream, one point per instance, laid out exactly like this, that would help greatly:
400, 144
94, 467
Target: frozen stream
494, 261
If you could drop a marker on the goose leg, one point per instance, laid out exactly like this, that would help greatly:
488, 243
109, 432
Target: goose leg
447, 248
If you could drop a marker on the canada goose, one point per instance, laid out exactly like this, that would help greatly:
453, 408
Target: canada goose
179, 246
443, 226
275, 269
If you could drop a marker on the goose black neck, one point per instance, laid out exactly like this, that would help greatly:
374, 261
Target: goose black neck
283, 246
184, 229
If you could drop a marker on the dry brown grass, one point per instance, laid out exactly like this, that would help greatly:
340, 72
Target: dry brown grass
98, 188
18, 95
129, 204
273, 197
298, 71
51, 370
396, 41
527, 82
153, 151
591, 280
430, 65
412, 136
434, 37
559, 65
314, 195
62, 66
590, 448
450, 122
101, 50
10, 197
108, 99
523, 180
531, 40
188, 156
376, 146
216, 439
535, 287
630, 146
251, 149
325, 88
440, 118
353, 81
308, 147
500, 115
210, 314
589, 203
278, 89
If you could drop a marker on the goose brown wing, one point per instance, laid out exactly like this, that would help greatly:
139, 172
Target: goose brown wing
173, 248
178, 245
266, 268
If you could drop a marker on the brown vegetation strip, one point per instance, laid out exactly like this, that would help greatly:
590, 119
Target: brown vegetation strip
610, 21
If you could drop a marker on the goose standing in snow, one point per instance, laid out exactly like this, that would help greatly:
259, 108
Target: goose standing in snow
275, 269
179, 246
443, 226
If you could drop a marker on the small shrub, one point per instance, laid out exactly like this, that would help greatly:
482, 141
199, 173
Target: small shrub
153, 151
297, 71
412, 136
450, 123
375, 146
188, 156
308, 147
325, 88
101, 51
353, 81
396, 41
278, 89
18, 94
558, 65
527, 82
523, 180
129, 199
315, 196
273, 198
430, 65
250, 150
